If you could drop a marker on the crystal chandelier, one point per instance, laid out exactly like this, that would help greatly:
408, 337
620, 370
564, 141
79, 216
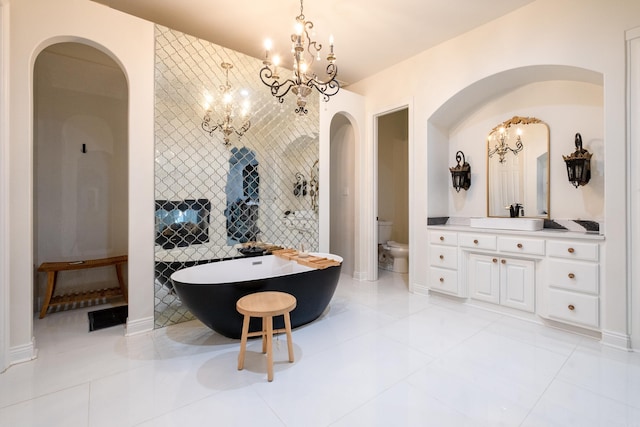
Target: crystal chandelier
303, 80
228, 111
502, 148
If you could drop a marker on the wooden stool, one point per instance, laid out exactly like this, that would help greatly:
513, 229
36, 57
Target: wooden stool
265, 305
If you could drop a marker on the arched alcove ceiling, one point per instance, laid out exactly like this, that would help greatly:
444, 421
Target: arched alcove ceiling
459, 106
342, 118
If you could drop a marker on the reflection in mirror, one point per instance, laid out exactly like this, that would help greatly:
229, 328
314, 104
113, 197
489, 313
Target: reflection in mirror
518, 168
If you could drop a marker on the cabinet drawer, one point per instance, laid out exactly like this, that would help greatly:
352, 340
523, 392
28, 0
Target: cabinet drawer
478, 241
521, 245
443, 280
443, 256
573, 250
574, 276
574, 307
449, 238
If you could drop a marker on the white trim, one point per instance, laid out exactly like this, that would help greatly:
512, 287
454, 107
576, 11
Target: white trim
23, 353
616, 339
139, 326
5, 357
633, 33
633, 187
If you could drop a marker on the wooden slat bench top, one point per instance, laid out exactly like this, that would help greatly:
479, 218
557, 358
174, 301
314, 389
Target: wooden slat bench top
81, 265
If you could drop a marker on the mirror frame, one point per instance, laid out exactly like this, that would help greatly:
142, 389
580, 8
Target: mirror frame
514, 121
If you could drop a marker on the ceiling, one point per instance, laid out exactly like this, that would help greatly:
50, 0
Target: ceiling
370, 35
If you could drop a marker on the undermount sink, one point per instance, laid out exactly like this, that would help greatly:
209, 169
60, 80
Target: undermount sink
521, 224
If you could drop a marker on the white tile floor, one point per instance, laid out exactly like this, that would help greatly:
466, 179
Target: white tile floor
379, 357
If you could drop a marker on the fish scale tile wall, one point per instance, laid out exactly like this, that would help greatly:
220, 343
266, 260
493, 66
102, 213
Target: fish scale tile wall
195, 185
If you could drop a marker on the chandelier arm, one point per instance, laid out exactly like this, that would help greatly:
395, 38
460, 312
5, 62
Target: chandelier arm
326, 89
279, 90
245, 127
206, 125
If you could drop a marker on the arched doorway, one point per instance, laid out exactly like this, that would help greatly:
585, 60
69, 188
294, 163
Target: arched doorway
342, 191
80, 142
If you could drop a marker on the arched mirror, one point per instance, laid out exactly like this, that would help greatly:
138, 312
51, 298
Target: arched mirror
518, 168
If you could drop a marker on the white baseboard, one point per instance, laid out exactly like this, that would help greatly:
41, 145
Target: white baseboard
420, 289
360, 275
616, 339
22, 353
139, 326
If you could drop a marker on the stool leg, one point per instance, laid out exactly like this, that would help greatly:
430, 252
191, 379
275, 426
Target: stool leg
264, 335
243, 341
269, 321
287, 327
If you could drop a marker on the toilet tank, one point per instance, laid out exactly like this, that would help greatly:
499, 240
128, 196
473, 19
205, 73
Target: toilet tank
384, 231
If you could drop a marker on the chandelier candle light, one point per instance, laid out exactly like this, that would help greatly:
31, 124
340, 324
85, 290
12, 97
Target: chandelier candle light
228, 111
503, 148
303, 80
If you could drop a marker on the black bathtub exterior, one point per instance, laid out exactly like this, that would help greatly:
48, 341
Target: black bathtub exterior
215, 304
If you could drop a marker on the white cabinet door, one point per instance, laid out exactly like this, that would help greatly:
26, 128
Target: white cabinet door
483, 278
517, 283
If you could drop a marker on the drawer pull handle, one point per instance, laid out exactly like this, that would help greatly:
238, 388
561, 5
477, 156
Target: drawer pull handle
441, 238
572, 276
442, 280
571, 250
571, 307
441, 256
475, 242
504, 261
495, 260
519, 245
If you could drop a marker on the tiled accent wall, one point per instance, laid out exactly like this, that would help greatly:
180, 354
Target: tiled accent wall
191, 164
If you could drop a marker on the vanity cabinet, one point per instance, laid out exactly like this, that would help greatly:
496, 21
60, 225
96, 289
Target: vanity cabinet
501, 280
443, 262
573, 279
534, 272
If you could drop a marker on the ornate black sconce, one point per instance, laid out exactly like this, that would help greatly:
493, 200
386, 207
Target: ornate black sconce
578, 164
461, 173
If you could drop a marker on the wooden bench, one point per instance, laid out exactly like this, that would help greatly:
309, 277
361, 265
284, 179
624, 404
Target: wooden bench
52, 269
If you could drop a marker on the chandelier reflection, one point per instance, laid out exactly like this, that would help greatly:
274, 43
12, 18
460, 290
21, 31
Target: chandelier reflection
303, 80
502, 148
228, 111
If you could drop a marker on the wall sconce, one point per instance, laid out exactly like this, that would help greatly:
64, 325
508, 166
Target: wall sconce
578, 164
461, 173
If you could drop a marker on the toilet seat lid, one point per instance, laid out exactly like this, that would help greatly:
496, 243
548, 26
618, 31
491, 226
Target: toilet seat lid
393, 244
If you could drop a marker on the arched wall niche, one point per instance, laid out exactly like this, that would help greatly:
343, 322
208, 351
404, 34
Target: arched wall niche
471, 97
79, 40
342, 189
352, 107
467, 102
80, 100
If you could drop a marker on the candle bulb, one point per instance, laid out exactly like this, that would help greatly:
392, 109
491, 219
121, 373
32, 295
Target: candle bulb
268, 45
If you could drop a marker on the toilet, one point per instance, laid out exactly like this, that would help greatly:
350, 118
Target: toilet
392, 255
400, 254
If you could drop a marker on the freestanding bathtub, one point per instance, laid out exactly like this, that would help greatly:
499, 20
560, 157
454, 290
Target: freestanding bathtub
210, 291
